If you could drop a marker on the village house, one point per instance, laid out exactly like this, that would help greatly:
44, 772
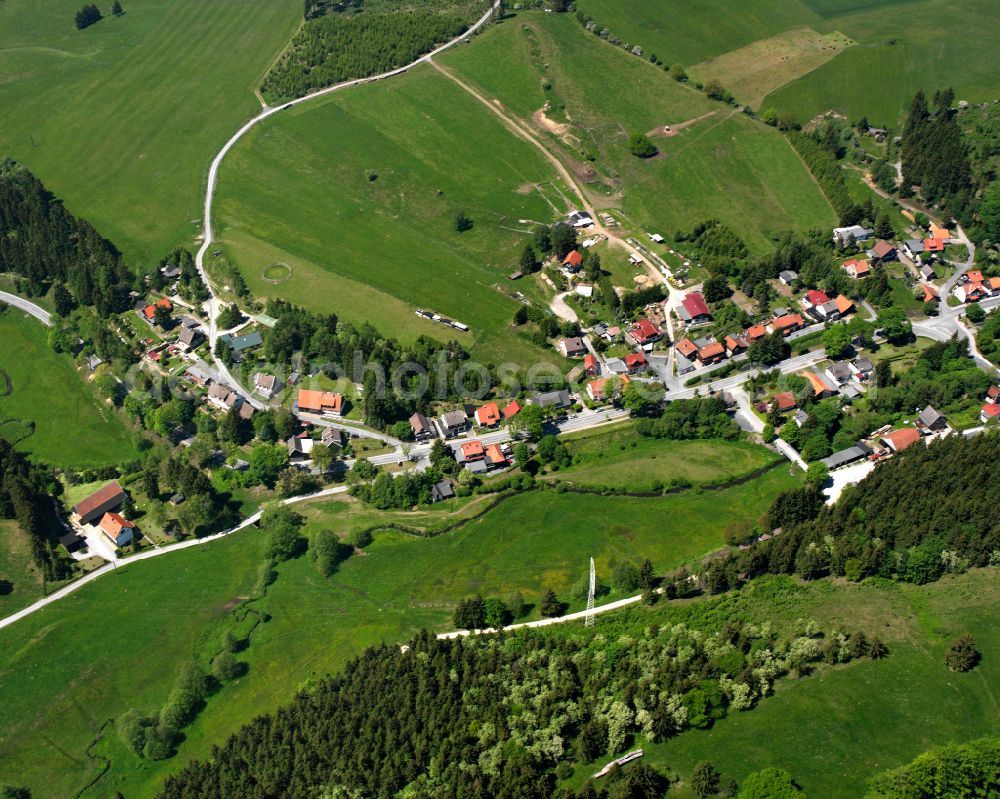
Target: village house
993, 395
572, 261
240, 344
839, 373
914, 249
170, 271
198, 373
300, 448
495, 458
473, 451
813, 298
787, 277
119, 530
222, 397
512, 409
107, 498
422, 427
845, 237
643, 333
693, 309
190, 338
635, 363
442, 491
580, 219
940, 232
266, 385
927, 272
552, 399
933, 246
148, 312
755, 333
785, 401
453, 423
898, 440
322, 403
856, 268
333, 437
590, 365
735, 345
882, 251
597, 390
488, 415
862, 369
989, 412
973, 291
687, 348
931, 421
930, 293
712, 352
616, 366
572, 347
845, 457
819, 387
786, 324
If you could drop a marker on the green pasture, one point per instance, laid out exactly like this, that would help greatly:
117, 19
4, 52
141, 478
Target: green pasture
620, 458
20, 581
358, 194
72, 427
717, 163
122, 119
128, 632
838, 728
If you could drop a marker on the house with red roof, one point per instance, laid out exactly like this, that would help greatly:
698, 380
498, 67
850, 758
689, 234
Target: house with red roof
988, 412
93, 507
513, 409
590, 365
323, 403
473, 451
930, 293
993, 395
735, 344
693, 309
495, 457
934, 245
572, 261
785, 401
973, 291
898, 440
117, 528
813, 298
488, 415
882, 251
643, 333
755, 333
712, 353
687, 348
786, 324
636, 362
856, 268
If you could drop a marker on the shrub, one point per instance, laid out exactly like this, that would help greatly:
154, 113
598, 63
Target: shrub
962, 655
641, 146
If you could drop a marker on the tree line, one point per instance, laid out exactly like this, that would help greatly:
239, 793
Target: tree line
969, 769
26, 495
334, 48
44, 243
500, 716
916, 517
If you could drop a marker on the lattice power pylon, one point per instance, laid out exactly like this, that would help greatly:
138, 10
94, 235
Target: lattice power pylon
589, 619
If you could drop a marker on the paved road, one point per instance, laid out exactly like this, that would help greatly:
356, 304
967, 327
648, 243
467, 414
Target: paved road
213, 306
153, 553
27, 306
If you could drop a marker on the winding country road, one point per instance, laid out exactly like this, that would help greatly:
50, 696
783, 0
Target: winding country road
28, 307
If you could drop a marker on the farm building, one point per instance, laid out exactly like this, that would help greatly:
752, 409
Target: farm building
100, 502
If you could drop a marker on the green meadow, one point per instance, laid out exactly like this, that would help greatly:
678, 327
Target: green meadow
901, 46
128, 632
121, 119
716, 162
622, 459
358, 194
72, 427
838, 728
20, 581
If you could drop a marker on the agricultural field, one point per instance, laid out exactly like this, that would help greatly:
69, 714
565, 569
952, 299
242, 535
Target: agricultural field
754, 71
47, 408
622, 459
358, 195
121, 119
901, 46
403, 583
835, 730
589, 97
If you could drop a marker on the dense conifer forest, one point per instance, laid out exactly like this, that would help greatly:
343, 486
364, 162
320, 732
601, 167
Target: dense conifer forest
336, 47
914, 518
499, 716
44, 243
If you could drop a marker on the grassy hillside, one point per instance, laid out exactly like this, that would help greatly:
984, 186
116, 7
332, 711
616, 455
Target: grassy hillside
121, 119
173, 607
715, 163
20, 580
620, 458
359, 195
903, 45
72, 428
836, 730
